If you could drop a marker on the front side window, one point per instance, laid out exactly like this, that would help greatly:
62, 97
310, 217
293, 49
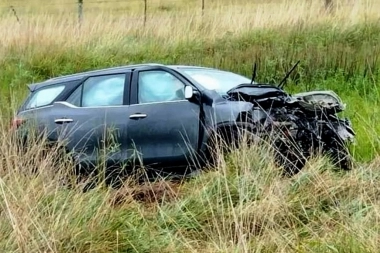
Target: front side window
99, 91
159, 86
44, 96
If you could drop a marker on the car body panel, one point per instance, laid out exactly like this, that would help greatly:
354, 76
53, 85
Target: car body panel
169, 133
92, 130
164, 135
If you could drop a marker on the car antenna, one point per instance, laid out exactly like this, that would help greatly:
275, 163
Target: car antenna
282, 83
254, 72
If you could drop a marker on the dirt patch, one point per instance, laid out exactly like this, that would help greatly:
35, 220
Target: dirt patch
148, 193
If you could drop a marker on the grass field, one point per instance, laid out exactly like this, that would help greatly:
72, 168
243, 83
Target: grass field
244, 206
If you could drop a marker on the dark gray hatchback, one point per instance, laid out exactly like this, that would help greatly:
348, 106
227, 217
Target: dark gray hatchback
165, 114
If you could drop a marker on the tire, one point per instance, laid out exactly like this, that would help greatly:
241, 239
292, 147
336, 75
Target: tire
225, 139
286, 154
340, 157
288, 157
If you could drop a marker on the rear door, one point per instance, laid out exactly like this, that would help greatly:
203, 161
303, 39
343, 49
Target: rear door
163, 126
92, 121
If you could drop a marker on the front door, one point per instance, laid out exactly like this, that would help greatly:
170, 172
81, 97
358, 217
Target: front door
163, 126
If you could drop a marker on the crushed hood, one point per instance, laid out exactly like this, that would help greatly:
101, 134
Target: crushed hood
256, 91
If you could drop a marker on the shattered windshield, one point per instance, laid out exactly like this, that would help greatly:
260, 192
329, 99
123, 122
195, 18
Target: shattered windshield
213, 79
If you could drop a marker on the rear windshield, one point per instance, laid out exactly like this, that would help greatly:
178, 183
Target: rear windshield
43, 96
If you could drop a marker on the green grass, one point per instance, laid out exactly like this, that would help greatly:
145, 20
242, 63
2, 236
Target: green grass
242, 206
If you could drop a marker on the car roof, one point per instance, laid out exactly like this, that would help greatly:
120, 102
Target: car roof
112, 70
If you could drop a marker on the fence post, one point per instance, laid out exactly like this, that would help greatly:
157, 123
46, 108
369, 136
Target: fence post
203, 7
80, 11
145, 10
329, 5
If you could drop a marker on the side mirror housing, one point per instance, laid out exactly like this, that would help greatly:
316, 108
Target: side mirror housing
189, 91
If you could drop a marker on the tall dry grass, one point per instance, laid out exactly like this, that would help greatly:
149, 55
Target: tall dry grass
244, 205
43, 30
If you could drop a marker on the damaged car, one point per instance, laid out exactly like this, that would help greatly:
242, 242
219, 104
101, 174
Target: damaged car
165, 116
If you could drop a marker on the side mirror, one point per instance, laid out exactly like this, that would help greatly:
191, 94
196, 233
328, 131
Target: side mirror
189, 91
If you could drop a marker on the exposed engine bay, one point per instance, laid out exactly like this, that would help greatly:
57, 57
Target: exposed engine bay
306, 123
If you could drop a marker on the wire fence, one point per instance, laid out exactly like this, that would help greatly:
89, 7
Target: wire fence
19, 9
79, 8
83, 6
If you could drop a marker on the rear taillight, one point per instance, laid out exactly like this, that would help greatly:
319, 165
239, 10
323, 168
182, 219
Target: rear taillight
16, 123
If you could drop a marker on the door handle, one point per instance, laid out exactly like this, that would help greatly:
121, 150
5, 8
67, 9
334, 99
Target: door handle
137, 116
61, 121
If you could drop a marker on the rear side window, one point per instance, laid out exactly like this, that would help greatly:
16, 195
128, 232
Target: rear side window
100, 91
44, 96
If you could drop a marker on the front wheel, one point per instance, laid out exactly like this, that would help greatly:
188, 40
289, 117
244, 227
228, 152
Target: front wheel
340, 156
227, 138
288, 156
